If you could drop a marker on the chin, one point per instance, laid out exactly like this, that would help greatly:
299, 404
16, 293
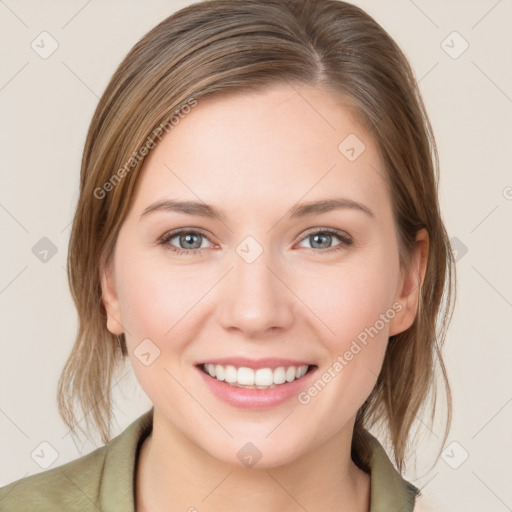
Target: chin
257, 453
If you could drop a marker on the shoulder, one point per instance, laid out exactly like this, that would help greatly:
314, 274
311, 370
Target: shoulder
71, 486
101, 480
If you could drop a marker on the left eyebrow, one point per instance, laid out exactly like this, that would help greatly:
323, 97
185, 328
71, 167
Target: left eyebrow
297, 211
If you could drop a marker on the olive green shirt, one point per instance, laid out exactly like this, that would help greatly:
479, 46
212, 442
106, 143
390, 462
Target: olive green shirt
104, 480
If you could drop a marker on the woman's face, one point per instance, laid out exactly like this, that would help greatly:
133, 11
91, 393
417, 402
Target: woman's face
257, 282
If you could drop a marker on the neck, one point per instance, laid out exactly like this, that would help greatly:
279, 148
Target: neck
174, 474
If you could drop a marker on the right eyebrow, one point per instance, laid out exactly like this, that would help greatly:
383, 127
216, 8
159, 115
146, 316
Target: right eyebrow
327, 205
187, 207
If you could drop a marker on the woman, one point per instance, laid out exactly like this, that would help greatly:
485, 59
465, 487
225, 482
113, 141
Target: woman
258, 230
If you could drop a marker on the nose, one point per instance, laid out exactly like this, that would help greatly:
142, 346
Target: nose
255, 299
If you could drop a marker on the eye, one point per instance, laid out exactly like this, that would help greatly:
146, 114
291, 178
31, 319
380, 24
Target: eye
323, 238
191, 241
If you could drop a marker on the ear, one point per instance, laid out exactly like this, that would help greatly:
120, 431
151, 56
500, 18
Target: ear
409, 287
110, 299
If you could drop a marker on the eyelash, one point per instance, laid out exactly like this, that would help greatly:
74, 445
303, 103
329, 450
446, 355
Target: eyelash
345, 240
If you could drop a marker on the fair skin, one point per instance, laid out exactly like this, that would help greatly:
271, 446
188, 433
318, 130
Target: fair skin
255, 156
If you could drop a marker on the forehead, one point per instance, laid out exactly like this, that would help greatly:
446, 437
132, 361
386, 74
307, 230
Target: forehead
284, 143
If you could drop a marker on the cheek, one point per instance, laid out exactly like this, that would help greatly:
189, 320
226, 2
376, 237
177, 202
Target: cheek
156, 296
157, 306
356, 306
350, 298
161, 306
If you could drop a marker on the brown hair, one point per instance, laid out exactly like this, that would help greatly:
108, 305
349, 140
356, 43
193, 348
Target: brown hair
225, 46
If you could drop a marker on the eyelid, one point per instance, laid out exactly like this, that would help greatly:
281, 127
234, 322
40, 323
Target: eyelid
171, 234
345, 239
312, 231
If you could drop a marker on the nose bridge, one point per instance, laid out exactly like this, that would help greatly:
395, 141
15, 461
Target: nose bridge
256, 300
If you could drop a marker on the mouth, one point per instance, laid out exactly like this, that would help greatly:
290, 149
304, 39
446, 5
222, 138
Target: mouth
257, 376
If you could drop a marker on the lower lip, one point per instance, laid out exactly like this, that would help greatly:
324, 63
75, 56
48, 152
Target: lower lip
245, 398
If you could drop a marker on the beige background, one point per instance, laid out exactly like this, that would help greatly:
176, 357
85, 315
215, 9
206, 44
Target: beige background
46, 105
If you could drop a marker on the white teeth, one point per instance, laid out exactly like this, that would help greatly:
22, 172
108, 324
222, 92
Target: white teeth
245, 376
290, 374
219, 372
263, 378
230, 374
279, 375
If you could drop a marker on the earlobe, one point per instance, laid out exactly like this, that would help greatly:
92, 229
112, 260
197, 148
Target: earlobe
409, 288
110, 300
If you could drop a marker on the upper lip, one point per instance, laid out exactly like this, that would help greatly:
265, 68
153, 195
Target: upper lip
255, 364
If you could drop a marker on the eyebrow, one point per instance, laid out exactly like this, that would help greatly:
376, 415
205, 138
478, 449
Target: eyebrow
297, 211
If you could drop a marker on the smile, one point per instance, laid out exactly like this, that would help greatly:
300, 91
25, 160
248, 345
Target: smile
249, 378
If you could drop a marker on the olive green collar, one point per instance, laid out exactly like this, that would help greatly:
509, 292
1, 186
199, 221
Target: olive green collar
389, 490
